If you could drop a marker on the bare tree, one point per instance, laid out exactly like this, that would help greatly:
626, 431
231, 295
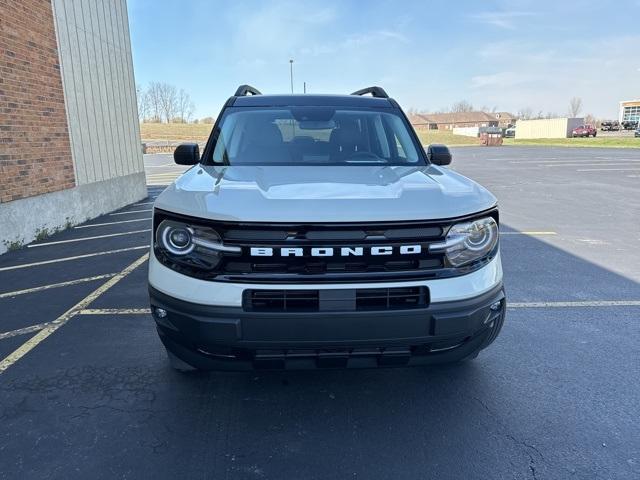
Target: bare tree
462, 106
524, 113
143, 103
168, 101
590, 119
184, 106
575, 107
154, 102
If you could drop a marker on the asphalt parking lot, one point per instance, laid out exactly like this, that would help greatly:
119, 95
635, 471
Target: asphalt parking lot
86, 391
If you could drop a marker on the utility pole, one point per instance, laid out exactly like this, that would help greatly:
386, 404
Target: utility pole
291, 65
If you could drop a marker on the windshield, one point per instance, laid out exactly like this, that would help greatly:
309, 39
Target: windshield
312, 136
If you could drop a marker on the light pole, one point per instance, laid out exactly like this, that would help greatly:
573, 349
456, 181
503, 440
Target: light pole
291, 69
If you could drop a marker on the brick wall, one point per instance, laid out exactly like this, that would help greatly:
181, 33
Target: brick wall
35, 154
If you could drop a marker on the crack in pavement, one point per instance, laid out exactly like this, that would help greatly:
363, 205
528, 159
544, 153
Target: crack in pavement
520, 443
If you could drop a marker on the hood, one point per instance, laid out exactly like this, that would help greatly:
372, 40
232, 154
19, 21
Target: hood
324, 194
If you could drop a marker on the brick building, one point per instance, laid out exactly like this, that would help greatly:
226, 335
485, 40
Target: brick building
449, 121
69, 135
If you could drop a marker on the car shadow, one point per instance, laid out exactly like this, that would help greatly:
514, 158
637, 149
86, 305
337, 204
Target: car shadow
555, 396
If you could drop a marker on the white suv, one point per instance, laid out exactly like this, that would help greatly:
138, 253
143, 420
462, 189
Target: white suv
315, 231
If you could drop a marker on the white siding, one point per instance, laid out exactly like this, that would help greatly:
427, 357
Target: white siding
99, 88
546, 128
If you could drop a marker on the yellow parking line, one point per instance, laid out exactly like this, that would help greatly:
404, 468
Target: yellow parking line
115, 311
66, 316
56, 285
23, 331
76, 257
591, 303
82, 239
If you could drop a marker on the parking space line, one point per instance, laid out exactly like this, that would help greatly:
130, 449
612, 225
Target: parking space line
142, 203
76, 257
131, 211
82, 239
579, 164
56, 285
23, 331
528, 233
608, 170
593, 303
115, 311
113, 223
66, 316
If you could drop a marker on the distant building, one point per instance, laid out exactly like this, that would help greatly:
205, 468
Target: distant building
547, 127
629, 111
449, 121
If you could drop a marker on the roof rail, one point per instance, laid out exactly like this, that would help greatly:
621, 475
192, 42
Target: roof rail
374, 91
244, 90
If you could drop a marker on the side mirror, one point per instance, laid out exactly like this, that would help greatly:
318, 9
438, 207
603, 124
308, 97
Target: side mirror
439, 154
187, 154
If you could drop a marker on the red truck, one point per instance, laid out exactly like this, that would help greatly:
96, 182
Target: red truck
584, 131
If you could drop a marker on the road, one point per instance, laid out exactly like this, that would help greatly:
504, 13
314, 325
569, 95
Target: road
86, 392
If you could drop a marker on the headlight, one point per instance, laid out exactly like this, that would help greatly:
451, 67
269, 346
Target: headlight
469, 241
182, 245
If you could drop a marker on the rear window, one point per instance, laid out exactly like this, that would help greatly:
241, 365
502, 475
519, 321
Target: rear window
313, 136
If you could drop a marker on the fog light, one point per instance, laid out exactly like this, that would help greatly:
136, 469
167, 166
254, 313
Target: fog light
161, 312
496, 306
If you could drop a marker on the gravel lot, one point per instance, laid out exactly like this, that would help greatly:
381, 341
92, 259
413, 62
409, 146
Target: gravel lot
86, 392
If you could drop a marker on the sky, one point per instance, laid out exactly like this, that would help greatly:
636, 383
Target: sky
507, 55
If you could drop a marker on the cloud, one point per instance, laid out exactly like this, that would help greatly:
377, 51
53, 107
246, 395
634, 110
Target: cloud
516, 74
505, 20
499, 80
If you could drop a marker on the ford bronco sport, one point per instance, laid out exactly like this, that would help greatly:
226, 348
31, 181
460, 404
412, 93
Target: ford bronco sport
316, 231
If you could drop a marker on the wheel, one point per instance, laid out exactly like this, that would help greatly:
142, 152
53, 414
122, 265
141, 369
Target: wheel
594, 134
179, 364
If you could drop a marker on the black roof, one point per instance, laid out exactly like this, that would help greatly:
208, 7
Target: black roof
312, 100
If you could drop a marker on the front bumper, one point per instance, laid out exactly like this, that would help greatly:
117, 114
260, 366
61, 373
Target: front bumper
229, 338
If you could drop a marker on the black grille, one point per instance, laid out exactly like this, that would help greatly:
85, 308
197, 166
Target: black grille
358, 299
278, 268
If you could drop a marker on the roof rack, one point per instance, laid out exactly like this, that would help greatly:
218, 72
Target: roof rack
244, 90
374, 91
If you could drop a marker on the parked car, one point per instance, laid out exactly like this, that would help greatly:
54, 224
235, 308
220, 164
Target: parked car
584, 131
610, 126
316, 231
510, 132
629, 125
637, 133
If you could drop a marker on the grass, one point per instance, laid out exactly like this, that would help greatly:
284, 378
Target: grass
445, 136
13, 245
199, 132
195, 132
608, 142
